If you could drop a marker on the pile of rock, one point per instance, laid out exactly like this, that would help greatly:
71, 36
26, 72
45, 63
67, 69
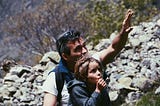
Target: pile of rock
134, 71
22, 85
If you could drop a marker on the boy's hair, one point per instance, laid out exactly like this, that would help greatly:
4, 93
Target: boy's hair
64, 38
82, 65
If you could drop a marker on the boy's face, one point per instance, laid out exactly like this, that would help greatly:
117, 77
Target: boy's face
94, 72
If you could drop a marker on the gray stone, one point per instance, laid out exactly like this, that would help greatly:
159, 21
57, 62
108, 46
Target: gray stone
157, 90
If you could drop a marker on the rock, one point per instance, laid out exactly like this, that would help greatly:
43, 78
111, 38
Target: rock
50, 56
10, 78
157, 90
142, 83
158, 22
102, 44
133, 73
126, 81
133, 97
113, 95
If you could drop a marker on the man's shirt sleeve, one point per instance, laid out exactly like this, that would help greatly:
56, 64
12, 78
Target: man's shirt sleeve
50, 84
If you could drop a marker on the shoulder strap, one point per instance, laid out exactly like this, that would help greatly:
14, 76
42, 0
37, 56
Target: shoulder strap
59, 83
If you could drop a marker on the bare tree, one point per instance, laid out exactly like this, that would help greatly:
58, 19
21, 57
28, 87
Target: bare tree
37, 30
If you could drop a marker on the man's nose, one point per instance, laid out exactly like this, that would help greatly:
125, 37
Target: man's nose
84, 50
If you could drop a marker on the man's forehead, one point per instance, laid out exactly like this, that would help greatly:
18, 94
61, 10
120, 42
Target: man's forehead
80, 40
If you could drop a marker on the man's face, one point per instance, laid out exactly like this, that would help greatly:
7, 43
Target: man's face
77, 49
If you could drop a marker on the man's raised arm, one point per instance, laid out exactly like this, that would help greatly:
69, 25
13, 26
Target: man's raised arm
107, 55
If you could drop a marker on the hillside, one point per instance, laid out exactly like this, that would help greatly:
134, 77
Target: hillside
134, 73
28, 27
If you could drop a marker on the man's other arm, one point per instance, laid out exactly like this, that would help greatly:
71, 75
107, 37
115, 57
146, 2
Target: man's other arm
49, 99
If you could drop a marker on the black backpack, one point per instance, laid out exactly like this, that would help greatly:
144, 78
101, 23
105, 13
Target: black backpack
59, 83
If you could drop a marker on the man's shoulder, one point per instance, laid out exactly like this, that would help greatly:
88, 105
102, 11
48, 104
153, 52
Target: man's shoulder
54, 70
51, 75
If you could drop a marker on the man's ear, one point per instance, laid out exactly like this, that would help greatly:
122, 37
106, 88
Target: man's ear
64, 56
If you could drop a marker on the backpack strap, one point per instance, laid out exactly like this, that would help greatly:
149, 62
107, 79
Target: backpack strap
59, 83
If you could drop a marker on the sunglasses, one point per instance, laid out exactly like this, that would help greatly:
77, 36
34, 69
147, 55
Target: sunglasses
71, 34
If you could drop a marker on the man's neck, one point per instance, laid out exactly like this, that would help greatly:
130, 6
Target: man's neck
70, 67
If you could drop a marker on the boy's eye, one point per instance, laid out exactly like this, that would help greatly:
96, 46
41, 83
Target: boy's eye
94, 70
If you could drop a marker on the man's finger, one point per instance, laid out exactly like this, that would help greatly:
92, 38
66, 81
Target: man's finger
128, 17
129, 29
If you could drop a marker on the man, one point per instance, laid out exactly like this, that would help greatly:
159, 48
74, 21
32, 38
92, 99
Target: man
71, 46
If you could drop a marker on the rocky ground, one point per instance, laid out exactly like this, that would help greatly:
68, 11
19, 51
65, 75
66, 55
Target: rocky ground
134, 72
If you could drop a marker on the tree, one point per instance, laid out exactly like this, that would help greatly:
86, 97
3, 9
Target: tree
106, 16
37, 30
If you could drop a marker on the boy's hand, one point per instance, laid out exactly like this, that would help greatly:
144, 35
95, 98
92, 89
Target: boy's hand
100, 85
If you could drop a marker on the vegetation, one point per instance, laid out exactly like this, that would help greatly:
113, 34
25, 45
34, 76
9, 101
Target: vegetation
106, 16
149, 99
38, 29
